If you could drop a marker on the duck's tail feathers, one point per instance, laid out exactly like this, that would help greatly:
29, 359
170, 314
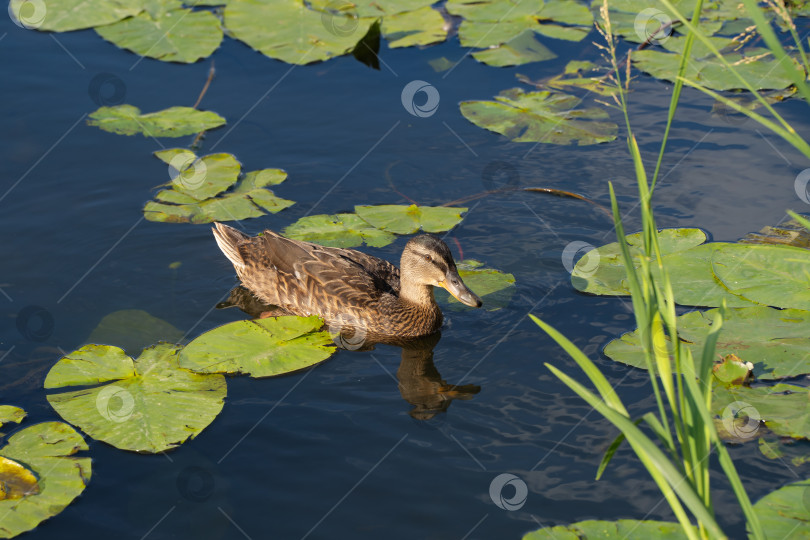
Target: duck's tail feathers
228, 240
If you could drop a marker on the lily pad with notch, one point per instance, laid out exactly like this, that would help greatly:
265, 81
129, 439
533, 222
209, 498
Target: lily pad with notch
403, 219
338, 230
171, 122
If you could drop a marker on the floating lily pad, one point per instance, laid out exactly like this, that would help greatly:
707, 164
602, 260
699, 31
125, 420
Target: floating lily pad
197, 193
47, 450
338, 230
402, 219
488, 23
522, 49
785, 513
766, 274
606, 530
297, 35
169, 33
583, 75
419, 27
66, 15
756, 65
146, 405
171, 122
495, 288
260, 348
797, 452
369, 8
548, 117
9, 413
133, 330
785, 408
775, 341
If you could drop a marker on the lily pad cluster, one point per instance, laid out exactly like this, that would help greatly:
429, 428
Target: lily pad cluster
707, 274
171, 122
39, 473
292, 31
375, 226
212, 188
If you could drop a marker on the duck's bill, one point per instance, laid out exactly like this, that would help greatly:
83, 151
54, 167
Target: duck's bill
452, 282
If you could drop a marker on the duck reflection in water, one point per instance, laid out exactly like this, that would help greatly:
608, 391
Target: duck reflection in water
420, 383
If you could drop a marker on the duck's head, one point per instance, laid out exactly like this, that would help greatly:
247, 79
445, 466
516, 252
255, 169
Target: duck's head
427, 260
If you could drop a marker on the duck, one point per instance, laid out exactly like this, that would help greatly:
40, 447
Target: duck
345, 287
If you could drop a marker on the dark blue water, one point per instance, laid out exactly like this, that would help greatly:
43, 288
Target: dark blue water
334, 452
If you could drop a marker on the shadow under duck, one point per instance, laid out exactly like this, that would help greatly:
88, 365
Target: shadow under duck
347, 287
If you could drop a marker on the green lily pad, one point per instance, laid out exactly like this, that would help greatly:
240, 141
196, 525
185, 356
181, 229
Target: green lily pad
67, 15
9, 413
495, 288
402, 219
369, 8
766, 274
171, 122
169, 34
548, 117
47, 450
338, 230
260, 348
797, 452
522, 49
419, 27
785, 409
606, 530
147, 405
582, 75
704, 68
297, 35
196, 182
785, 513
775, 341
488, 23
133, 330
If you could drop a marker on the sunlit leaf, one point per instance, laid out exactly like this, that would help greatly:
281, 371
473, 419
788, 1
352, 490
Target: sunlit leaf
9, 413
16, 481
289, 31
495, 288
170, 35
338, 230
66, 15
521, 49
420, 27
46, 450
402, 219
171, 122
369, 8
146, 405
260, 348
775, 341
785, 513
607, 530
549, 117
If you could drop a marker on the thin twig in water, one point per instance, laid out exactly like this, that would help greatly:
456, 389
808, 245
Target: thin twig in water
211, 72
391, 182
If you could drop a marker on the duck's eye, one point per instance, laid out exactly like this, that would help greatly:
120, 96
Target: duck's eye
428, 258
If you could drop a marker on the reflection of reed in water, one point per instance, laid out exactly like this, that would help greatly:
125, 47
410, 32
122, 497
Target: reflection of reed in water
420, 383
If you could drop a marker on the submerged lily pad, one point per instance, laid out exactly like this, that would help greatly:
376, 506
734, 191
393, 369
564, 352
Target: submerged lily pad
171, 122
297, 34
402, 219
338, 230
775, 341
606, 530
170, 33
47, 450
66, 15
260, 348
495, 288
9, 413
548, 117
146, 405
785, 513
199, 185
133, 330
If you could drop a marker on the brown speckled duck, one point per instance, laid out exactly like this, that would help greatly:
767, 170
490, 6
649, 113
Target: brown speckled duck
345, 286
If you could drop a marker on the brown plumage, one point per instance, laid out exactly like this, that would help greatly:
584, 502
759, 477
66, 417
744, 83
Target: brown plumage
347, 287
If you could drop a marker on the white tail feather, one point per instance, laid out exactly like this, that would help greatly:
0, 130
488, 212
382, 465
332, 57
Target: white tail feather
227, 238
